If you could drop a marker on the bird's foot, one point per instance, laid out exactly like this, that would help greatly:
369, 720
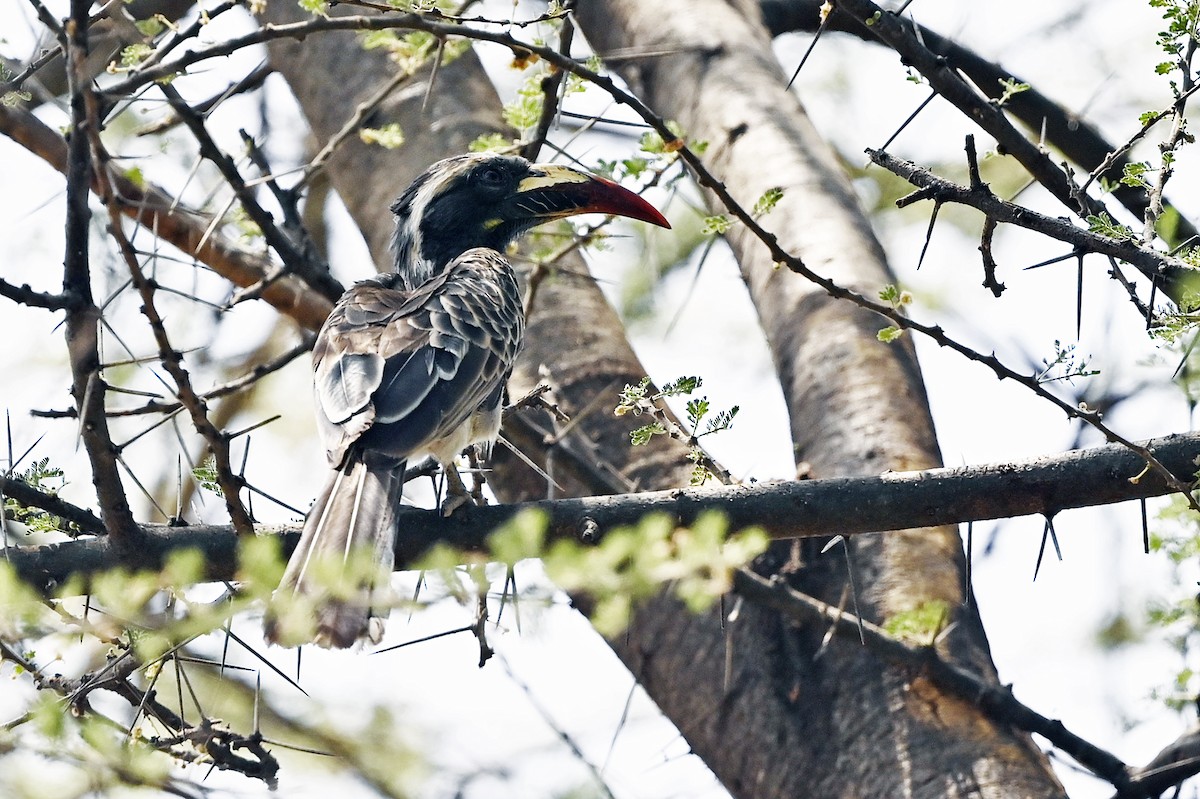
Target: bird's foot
453, 503
457, 494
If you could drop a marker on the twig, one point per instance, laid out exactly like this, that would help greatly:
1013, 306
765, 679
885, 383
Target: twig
551, 92
256, 373
304, 264
1149, 261
37, 299
29, 496
162, 215
172, 361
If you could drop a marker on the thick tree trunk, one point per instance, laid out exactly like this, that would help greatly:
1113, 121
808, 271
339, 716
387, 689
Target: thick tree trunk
799, 717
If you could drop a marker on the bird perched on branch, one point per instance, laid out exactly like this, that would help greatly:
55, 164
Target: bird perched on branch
413, 364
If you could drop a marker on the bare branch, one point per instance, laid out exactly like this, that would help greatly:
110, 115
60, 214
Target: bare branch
805, 509
36, 299
162, 214
172, 361
1148, 260
299, 261
1062, 128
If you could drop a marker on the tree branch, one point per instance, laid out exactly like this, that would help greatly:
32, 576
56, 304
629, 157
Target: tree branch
172, 361
29, 496
806, 509
162, 214
1147, 260
36, 299
1175, 763
1077, 139
899, 34
298, 261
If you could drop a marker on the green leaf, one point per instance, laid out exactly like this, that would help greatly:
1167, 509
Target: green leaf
633, 563
318, 8
15, 98
701, 474
184, 567
149, 27
889, 334
260, 564
682, 385
722, 421
921, 624
716, 225
1012, 87
632, 397
389, 136
206, 476
47, 479
767, 202
652, 142
895, 296
634, 167
1133, 174
520, 538
643, 434
135, 54
489, 142
1103, 225
135, 176
525, 110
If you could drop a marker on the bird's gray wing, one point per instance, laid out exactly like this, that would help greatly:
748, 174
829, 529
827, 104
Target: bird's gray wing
396, 370
469, 332
349, 358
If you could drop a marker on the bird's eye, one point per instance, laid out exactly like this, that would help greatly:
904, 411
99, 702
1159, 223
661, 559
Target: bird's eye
490, 177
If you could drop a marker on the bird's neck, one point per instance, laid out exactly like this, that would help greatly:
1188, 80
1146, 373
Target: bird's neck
414, 267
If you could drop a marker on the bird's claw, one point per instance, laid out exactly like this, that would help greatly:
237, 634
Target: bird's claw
456, 493
453, 503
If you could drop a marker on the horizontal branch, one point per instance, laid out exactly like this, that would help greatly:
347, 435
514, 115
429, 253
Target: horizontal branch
36, 299
981, 198
32, 497
805, 509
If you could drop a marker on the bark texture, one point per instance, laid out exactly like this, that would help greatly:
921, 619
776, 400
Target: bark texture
797, 716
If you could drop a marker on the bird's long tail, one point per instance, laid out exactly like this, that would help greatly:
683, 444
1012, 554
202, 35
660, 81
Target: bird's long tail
344, 557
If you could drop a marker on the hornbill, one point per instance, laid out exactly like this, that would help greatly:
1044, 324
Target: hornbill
413, 364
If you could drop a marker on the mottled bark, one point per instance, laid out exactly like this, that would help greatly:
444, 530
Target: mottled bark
796, 718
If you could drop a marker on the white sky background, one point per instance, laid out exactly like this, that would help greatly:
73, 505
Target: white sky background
469, 719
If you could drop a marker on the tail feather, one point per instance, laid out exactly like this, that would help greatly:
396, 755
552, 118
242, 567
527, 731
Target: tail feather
346, 548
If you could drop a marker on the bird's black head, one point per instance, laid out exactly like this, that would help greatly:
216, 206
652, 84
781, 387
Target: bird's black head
487, 200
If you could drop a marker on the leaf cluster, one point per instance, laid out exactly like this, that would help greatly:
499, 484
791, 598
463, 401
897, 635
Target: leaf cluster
49, 480
1176, 615
640, 399
632, 564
